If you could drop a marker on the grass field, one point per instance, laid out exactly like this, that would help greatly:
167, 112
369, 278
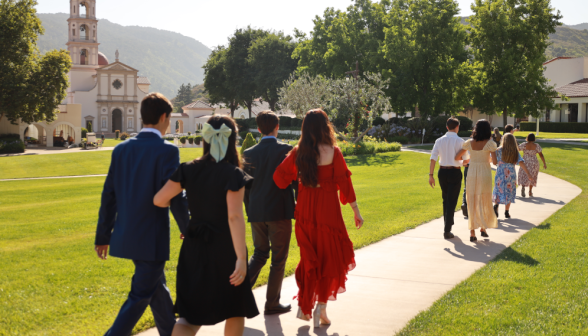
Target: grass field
548, 135
537, 286
52, 283
70, 164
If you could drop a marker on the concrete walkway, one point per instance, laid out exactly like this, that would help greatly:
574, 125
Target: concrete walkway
402, 275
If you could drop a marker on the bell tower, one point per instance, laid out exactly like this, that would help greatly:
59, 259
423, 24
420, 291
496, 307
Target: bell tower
82, 40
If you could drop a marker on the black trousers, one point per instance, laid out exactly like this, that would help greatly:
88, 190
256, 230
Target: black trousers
450, 183
274, 237
464, 201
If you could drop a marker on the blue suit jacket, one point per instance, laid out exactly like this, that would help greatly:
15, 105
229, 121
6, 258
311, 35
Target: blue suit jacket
128, 220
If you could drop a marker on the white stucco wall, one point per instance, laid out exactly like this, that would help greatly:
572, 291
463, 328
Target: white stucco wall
564, 71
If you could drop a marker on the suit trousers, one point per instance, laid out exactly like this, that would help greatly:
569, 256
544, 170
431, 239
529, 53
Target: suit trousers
148, 288
275, 237
464, 201
450, 183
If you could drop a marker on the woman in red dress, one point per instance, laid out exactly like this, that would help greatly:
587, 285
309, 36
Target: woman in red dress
326, 252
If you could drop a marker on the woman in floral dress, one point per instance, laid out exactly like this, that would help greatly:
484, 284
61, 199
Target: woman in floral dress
530, 150
505, 187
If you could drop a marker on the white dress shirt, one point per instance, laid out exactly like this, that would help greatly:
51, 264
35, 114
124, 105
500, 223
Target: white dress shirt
152, 130
447, 147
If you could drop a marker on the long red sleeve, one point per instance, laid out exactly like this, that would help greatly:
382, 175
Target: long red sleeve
343, 178
286, 171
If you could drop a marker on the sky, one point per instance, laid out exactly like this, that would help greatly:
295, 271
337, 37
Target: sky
212, 22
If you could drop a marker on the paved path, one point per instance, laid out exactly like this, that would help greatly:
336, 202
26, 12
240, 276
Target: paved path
402, 275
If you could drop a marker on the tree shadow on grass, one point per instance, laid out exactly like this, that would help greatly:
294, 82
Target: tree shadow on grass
373, 160
546, 226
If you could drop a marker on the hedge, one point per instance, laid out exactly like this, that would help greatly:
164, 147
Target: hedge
555, 127
10, 145
248, 142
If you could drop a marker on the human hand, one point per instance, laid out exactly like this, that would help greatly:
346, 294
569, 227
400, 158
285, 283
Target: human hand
432, 181
102, 251
239, 274
544, 166
358, 220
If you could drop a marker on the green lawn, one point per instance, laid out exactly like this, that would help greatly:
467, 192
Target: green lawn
535, 287
92, 163
111, 142
52, 282
548, 135
426, 147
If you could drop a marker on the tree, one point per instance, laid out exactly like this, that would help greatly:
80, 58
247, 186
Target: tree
32, 85
216, 81
271, 60
509, 39
426, 49
354, 100
185, 96
339, 39
248, 142
240, 73
90, 127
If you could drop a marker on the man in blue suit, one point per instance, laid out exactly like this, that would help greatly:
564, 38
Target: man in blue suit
133, 226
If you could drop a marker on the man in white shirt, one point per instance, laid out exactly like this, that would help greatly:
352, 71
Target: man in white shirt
446, 147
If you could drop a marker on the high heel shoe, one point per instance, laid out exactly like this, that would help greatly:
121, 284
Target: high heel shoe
523, 192
484, 234
496, 210
316, 315
506, 214
473, 238
302, 316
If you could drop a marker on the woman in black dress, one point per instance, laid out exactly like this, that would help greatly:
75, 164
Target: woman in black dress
212, 280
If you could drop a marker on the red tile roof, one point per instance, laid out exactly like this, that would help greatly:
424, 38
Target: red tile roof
143, 80
575, 89
557, 58
198, 104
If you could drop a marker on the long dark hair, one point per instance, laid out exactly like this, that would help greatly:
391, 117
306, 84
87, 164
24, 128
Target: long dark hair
232, 156
316, 130
482, 130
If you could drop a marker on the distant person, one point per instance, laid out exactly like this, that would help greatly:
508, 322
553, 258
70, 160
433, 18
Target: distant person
449, 174
509, 129
479, 180
497, 137
530, 150
135, 228
270, 210
505, 181
326, 252
464, 200
212, 280
102, 137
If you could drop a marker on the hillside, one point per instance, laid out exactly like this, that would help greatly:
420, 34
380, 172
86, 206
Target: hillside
568, 42
580, 26
167, 58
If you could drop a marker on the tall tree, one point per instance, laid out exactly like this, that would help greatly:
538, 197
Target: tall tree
239, 71
185, 96
31, 85
508, 39
216, 81
426, 49
271, 59
339, 39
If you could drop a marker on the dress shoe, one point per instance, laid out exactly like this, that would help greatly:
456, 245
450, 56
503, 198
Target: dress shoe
506, 214
484, 234
496, 210
473, 238
278, 309
464, 210
448, 235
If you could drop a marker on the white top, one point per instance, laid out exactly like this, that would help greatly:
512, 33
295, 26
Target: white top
152, 130
447, 147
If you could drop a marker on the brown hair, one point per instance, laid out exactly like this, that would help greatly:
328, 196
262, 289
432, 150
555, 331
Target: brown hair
510, 150
267, 121
232, 155
153, 106
531, 137
452, 123
316, 130
508, 128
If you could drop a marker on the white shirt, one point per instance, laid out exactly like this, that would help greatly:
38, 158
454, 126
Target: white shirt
447, 147
152, 130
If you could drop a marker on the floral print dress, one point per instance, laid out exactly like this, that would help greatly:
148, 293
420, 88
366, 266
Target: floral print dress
530, 157
505, 181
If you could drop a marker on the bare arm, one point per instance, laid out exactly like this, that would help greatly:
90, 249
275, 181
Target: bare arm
460, 154
493, 158
357, 215
169, 191
237, 227
431, 172
543, 159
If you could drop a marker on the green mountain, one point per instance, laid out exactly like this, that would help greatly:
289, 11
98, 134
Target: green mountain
167, 58
568, 42
580, 26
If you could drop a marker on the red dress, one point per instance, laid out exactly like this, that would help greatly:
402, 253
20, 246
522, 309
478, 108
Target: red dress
326, 252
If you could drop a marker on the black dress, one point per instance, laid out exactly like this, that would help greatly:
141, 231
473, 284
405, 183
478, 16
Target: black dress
207, 257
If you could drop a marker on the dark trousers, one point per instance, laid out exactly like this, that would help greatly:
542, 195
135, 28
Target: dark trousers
450, 183
274, 237
148, 288
464, 201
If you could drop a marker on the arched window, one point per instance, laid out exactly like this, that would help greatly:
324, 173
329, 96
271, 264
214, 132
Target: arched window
83, 9
84, 32
84, 57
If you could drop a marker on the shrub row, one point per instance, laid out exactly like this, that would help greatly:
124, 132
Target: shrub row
286, 123
11, 145
555, 127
